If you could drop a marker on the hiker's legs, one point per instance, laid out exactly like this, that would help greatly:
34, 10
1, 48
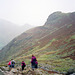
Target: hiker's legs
33, 66
22, 68
12, 65
9, 67
36, 66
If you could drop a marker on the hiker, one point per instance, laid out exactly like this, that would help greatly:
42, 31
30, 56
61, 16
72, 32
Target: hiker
34, 62
12, 63
9, 64
23, 65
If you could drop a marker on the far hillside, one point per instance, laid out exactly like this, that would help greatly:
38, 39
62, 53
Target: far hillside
9, 30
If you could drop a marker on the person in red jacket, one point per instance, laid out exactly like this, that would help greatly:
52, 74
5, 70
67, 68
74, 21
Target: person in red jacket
9, 64
23, 65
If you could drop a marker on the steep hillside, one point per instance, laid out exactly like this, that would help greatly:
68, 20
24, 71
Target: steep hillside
53, 44
8, 31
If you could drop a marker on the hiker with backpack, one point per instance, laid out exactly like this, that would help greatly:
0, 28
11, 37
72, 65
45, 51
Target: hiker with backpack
9, 65
23, 65
34, 63
12, 63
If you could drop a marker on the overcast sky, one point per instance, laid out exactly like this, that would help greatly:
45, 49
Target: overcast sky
34, 12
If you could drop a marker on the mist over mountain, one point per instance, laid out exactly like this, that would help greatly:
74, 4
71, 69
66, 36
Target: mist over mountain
8, 31
53, 43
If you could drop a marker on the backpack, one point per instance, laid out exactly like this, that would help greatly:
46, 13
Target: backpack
13, 62
23, 64
34, 60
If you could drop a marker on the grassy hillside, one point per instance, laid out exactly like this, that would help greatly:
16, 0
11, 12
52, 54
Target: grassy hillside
53, 44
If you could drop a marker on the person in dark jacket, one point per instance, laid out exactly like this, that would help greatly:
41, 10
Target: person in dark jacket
23, 65
12, 63
34, 62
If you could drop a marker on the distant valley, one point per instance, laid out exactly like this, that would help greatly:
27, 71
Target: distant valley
8, 31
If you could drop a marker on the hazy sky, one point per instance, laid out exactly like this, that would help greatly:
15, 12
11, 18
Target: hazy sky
34, 12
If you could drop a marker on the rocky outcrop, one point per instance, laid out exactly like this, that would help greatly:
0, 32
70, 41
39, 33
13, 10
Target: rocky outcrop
27, 71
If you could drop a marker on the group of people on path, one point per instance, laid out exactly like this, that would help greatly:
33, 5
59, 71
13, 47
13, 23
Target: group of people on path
34, 63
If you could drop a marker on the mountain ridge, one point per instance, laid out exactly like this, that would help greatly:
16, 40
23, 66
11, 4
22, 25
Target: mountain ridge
51, 42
